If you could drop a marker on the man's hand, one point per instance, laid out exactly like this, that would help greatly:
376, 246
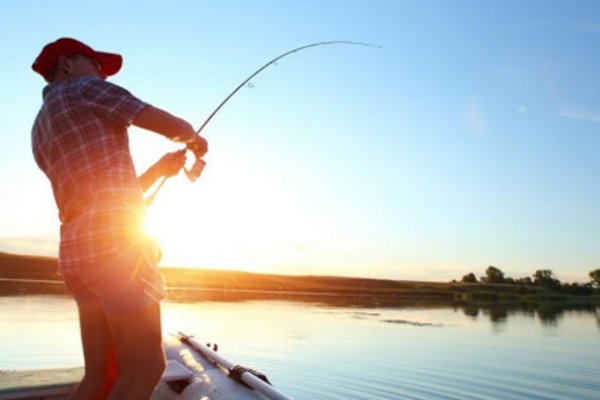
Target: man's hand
170, 164
198, 145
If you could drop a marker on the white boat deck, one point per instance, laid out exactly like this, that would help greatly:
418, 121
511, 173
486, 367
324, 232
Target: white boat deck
196, 377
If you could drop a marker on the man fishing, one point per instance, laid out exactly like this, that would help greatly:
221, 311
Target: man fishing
80, 142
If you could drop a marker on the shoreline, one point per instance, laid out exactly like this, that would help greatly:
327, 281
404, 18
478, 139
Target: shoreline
21, 274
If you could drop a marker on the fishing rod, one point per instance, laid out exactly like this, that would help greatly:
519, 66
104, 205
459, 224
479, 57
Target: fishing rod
196, 170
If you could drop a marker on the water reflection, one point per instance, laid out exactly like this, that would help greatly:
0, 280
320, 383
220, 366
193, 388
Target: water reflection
547, 314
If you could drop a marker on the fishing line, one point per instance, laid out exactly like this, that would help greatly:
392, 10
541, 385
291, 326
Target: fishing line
194, 172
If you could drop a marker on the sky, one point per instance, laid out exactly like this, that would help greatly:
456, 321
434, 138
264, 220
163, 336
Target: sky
471, 138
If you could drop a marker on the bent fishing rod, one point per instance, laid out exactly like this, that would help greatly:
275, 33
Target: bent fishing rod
196, 170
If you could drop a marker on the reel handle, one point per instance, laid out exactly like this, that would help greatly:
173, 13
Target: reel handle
196, 170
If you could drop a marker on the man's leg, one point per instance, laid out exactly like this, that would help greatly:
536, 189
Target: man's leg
98, 351
137, 337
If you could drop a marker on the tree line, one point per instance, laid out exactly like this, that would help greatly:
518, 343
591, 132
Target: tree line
542, 278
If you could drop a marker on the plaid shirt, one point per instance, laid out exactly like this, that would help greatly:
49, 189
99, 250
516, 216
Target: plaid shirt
80, 141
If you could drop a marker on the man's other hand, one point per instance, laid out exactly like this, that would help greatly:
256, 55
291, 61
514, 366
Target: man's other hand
170, 164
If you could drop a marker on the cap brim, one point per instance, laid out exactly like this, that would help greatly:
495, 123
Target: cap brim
110, 63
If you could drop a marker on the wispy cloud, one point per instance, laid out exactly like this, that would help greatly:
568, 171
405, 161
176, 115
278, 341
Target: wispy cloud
522, 110
473, 120
580, 115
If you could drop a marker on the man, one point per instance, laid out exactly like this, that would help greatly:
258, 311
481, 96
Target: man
80, 142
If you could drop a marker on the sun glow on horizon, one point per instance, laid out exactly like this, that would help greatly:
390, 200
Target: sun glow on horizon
234, 217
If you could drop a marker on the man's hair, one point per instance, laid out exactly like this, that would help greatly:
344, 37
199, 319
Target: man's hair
54, 71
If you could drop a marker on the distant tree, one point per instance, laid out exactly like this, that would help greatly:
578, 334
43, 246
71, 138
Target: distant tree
494, 275
546, 278
577, 289
543, 275
525, 281
469, 278
595, 277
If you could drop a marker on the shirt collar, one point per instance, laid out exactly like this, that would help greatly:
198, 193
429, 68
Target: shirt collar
47, 89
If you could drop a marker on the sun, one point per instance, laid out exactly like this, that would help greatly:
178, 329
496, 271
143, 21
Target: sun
232, 218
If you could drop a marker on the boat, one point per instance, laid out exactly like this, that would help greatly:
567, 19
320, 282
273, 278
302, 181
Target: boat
195, 371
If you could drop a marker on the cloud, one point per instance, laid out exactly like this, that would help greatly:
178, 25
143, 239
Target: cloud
473, 120
522, 110
581, 115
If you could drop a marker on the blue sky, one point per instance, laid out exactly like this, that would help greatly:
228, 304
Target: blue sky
472, 138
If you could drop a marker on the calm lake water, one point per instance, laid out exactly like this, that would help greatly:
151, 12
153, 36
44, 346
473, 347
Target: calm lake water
316, 351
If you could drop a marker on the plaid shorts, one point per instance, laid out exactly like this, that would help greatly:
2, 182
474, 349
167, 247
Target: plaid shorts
127, 282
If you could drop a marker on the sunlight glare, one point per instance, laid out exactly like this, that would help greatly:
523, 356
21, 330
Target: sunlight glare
234, 217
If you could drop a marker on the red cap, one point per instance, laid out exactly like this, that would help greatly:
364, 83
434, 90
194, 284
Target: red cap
110, 63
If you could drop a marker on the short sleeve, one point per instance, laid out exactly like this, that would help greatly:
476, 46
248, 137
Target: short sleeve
110, 101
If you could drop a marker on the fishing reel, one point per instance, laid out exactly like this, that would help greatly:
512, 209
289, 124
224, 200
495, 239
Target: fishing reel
192, 174
199, 149
196, 170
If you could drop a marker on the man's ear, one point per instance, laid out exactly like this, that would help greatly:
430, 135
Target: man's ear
65, 64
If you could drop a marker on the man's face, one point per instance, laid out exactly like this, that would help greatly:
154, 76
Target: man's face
86, 66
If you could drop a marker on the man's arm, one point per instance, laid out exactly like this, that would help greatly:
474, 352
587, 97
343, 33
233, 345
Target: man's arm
166, 124
159, 121
168, 165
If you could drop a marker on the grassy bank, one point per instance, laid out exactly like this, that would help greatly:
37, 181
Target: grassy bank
186, 284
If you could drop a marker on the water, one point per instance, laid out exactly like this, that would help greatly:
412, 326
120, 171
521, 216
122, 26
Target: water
319, 351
